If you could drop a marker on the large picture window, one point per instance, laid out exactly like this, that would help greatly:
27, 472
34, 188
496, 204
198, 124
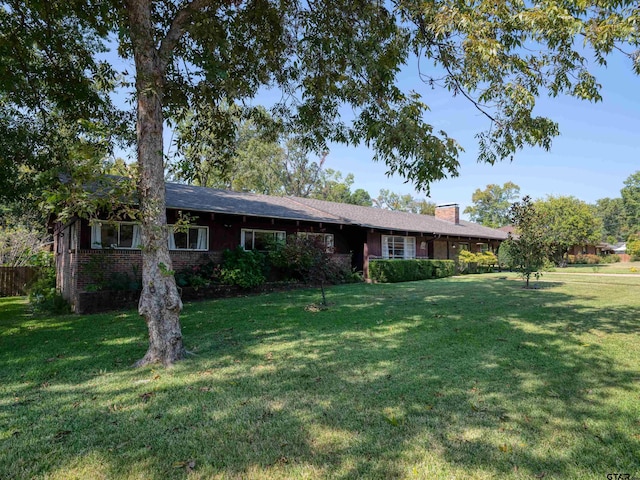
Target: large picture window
398, 247
124, 235
261, 239
189, 238
325, 239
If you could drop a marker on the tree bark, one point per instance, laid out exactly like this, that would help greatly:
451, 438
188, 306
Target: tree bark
160, 303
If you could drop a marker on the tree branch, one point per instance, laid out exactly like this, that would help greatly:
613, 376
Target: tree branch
458, 87
177, 29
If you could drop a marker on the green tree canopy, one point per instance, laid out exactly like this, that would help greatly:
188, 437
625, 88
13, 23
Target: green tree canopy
567, 221
631, 201
404, 203
253, 157
332, 187
491, 205
610, 211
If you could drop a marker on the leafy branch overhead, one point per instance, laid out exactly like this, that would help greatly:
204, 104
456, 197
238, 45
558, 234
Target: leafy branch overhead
325, 56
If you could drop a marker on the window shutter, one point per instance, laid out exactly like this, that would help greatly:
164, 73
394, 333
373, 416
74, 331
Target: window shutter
328, 240
136, 241
385, 246
172, 240
96, 235
202, 243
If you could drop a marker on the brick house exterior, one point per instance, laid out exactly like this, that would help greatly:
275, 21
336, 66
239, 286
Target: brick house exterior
221, 219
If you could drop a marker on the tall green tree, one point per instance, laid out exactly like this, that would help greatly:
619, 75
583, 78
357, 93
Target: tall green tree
253, 158
633, 246
491, 205
331, 186
324, 55
55, 106
631, 202
361, 197
567, 221
611, 213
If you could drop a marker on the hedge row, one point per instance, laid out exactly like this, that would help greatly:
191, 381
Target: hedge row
392, 271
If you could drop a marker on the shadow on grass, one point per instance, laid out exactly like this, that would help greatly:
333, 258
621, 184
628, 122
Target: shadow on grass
454, 377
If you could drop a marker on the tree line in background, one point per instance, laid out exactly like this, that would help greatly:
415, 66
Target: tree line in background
569, 219
545, 230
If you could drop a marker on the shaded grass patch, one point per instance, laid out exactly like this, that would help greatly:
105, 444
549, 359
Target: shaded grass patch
468, 377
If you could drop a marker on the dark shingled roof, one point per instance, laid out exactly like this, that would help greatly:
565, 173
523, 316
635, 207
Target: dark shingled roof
202, 199
409, 222
189, 197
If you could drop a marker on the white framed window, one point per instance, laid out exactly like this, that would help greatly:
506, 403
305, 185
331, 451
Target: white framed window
325, 239
188, 238
124, 235
398, 247
484, 247
251, 239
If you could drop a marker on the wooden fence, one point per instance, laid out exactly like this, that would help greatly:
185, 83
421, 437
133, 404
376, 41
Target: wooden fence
14, 281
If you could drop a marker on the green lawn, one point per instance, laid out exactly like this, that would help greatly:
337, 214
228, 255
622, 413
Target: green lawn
626, 267
467, 377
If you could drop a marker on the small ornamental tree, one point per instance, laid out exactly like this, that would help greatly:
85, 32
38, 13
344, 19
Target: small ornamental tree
307, 259
527, 251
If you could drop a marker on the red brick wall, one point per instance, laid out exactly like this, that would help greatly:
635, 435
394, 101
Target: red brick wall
448, 213
94, 264
582, 249
342, 259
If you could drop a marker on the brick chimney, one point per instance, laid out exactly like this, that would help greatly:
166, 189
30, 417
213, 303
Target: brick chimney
448, 213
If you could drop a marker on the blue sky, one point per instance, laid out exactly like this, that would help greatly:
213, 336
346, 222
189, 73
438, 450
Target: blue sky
598, 146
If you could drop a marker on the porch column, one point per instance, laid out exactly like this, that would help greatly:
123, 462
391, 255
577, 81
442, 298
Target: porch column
365, 262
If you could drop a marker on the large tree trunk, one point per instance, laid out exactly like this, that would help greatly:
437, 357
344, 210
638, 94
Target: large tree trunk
160, 302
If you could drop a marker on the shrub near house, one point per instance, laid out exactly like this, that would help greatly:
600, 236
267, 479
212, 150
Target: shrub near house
482, 262
633, 247
392, 271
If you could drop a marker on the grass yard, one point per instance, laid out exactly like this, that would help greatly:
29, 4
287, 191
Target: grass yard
632, 268
469, 377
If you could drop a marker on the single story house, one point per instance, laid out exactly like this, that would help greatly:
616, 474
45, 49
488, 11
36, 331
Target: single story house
620, 248
222, 219
599, 249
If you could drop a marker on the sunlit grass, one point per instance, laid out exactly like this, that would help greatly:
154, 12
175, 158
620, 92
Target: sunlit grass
469, 377
632, 268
